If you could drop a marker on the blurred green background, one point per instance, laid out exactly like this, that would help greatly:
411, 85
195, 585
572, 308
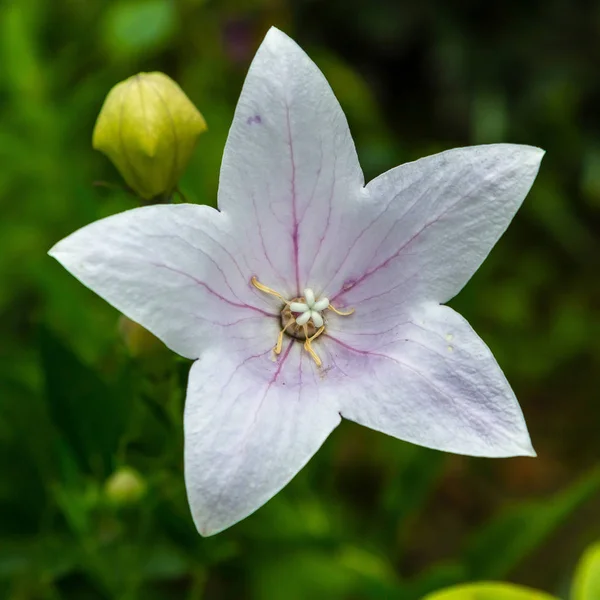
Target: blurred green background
83, 396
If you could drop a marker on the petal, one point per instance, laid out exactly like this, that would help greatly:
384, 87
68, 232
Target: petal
289, 165
431, 381
432, 222
250, 425
175, 270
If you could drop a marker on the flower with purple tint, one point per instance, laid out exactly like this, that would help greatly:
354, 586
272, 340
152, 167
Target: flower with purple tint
310, 296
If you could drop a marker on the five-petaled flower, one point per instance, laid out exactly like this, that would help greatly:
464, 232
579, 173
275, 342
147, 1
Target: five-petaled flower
309, 296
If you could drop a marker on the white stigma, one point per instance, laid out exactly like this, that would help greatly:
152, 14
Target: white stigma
301, 313
310, 309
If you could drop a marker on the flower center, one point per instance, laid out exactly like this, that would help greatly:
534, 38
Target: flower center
305, 310
295, 330
301, 318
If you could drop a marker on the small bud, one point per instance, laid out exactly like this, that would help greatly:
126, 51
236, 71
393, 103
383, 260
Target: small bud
125, 486
148, 128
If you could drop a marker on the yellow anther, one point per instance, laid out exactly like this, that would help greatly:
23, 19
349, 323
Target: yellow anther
267, 290
342, 313
317, 334
308, 341
280, 336
295, 329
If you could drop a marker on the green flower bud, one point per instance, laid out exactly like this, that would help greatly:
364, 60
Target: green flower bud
125, 486
148, 128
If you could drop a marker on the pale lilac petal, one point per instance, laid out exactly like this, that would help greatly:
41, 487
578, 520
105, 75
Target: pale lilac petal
250, 425
175, 270
289, 168
430, 381
430, 224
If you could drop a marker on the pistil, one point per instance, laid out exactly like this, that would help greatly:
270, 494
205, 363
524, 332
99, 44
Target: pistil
301, 317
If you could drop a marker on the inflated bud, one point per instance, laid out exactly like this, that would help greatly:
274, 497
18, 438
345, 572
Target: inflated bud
148, 128
125, 486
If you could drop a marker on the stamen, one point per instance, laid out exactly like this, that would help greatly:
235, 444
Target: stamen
317, 334
280, 337
342, 313
308, 347
310, 310
267, 290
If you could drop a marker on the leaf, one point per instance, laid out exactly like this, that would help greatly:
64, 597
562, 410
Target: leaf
440, 575
297, 575
19, 52
586, 583
489, 591
136, 26
25, 466
415, 474
509, 538
44, 556
90, 414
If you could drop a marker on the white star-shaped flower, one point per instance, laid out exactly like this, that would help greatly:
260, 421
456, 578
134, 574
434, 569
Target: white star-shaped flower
309, 296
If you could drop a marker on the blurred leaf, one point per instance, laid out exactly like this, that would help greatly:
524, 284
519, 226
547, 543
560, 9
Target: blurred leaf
135, 26
20, 69
26, 468
590, 177
164, 561
586, 583
502, 544
367, 564
551, 209
303, 574
49, 556
489, 591
378, 148
489, 121
437, 577
90, 414
416, 470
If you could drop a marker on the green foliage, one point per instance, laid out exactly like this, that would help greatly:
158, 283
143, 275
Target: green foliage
585, 586
370, 517
586, 583
90, 415
489, 591
497, 548
123, 35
